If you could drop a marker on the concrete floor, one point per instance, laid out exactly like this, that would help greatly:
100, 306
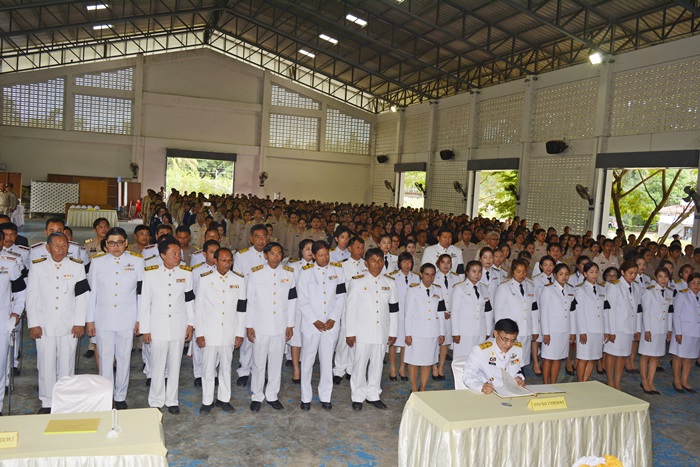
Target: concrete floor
339, 436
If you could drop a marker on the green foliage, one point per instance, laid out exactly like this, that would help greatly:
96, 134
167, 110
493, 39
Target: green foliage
494, 198
412, 197
200, 175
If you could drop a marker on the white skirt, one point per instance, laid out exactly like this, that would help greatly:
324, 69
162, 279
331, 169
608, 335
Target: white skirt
423, 351
690, 348
465, 346
622, 347
592, 350
655, 348
558, 347
295, 341
448, 332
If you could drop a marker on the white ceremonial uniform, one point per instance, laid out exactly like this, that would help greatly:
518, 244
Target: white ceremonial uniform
403, 282
624, 317
22, 254
447, 282
556, 320
345, 355
589, 313
75, 250
433, 252
485, 362
576, 279
392, 261
114, 308
517, 303
167, 309
298, 265
321, 297
57, 300
371, 317
686, 323
219, 309
197, 258
38, 251
338, 255
657, 318
425, 323
491, 278
272, 300
243, 262
195, 351
539, 281
12, 301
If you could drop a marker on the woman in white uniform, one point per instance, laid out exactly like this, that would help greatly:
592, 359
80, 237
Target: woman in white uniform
622, 322
472, 318
545, 277
424, 326
657, 303
589, 309
685, 344
445, 278
555, 305
294, 344
404, 277
514, 300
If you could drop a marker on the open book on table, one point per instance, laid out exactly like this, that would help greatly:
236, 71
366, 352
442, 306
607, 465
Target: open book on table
510, 388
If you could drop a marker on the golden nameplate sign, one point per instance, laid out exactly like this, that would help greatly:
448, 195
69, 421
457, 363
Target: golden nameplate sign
8, 439
83, 425
548, 403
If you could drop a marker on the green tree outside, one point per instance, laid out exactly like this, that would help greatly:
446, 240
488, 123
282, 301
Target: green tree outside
200, 175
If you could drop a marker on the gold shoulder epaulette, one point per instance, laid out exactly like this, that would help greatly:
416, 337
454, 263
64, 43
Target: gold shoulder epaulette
197, 252
581, 284
152, 268
602, 284
138, 255
651, 287
185, 268
503, 282
88, 240
678, 281
76, 260
538, 274
197, 265
547, 285
337, 264
238, 274
684, 290
287, 268
308, 266
414, 285
99, 254
34, 261
332, 249
437, 285
518, 344
206, 273
461, 282
390, 277
394, 272
243, 250
38, 244
486, 345
452, 272
256, 268
294, 261
616, 281
359, 276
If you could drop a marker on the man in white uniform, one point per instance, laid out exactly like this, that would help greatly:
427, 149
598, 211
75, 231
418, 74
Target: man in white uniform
444, 246
198, 270
12, 300
219, 310
57, 300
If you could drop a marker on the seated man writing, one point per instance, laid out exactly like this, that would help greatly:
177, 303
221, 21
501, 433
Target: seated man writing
482, 372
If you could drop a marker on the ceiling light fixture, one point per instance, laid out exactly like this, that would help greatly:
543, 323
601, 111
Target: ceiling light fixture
307, 53
359, 21
329, 39
393, 108
98, 6
596, 58
102, 26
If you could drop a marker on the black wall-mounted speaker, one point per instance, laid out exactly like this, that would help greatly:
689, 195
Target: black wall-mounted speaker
556, 147
446, 154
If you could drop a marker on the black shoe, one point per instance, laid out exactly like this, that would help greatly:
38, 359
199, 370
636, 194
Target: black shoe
327, 405
448, 357
392, 378
205, 409
435, 377
681, 390
570, 373
16, 371
305, 406
632, 372
690, 390
697, 363
89, 354
242, 381
657, 393
120, 405
225, 406
403, 378
357, 406
44, 410
600, 372
660, 369
337, 380
277, 405
289, 363
348, 376
198, 382
174, 409
378, 404
645, 391
216, 381
296, 381
255, 406
148, 382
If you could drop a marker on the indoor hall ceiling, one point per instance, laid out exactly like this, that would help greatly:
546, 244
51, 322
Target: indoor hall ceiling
407, 51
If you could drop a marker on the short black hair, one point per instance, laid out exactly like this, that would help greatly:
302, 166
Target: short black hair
256, 228
117, 231
303, 243
54, 220
355, 239
507, 325
340, 230
373, 252
319, 245
8, 226
271, 245
209, 243
427, 266
165, 243
141, 227
224, 249
99, 220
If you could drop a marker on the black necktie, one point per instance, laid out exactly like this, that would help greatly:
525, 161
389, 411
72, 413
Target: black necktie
476, 291
550, 280
407, 279
662, 292
594, 292
522, 291
427, 291
386, 262
446, 285
562, 292
488, 276
630, 289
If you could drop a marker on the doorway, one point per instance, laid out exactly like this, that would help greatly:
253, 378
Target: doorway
498, 193
201, 172
412, 189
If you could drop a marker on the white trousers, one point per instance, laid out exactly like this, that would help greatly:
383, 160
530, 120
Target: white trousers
365, 383
146, 356
197, 352
18, 342
5, 359
55, 358
344, 356
526, 341
322, 344
245, 357
165, 353
211, 356
266, 350
116, 344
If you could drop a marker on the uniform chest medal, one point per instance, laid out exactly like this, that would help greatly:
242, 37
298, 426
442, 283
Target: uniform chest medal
232, 286
436, 296
68, 276
332, 277
179, 280
284, 281
129, 267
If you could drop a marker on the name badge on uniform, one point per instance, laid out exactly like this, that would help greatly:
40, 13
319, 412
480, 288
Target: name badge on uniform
386, 289
436, 296
515, 361
531, 295
128, 268
232, 286
492, 363
4, 271
68, 276
179, 280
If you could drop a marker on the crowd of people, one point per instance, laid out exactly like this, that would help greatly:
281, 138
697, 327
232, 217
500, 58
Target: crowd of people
347, 283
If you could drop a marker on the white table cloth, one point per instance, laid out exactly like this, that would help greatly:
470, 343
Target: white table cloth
450, 428
141, 442
85, 217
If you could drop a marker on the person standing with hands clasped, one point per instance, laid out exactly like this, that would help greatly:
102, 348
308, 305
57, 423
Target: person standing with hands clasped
558, 330
685, 343
425, 326
371, 324
657, 312
503, 351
